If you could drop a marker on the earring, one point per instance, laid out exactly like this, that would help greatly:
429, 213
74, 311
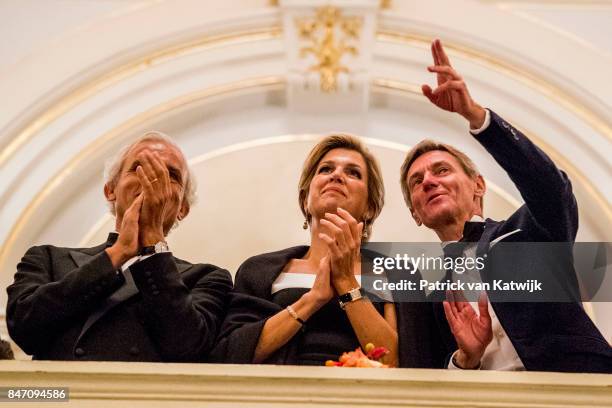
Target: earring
364, 233
305, 225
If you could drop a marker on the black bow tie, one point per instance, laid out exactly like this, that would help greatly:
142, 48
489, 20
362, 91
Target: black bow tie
472, 231
112, 238
454, 250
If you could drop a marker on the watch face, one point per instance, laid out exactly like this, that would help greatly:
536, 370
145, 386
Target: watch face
161, 246
355, 294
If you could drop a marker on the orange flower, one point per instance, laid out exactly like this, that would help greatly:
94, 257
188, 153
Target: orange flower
358, 359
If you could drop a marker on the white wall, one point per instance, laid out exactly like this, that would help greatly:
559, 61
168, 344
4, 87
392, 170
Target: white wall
79, 78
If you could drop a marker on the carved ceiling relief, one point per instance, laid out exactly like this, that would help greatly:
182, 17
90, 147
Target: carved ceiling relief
328, 49
330, 36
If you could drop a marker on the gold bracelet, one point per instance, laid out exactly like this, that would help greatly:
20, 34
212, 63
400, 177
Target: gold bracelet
295, 315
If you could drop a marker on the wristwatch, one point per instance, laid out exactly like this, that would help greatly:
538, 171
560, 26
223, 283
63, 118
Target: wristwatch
351, 296
456, 364
161, 246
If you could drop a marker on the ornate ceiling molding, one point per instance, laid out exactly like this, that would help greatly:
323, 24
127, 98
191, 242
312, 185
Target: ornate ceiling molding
329, 36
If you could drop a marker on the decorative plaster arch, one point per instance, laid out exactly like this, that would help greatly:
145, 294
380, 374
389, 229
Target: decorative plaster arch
59, 115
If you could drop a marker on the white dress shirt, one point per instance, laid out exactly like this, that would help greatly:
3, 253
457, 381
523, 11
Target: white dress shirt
500, 354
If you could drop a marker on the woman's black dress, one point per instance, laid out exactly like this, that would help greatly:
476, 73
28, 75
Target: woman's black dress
327, 334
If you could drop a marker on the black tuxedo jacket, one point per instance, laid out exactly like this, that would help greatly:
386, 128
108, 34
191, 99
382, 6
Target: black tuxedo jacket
59, 307
548, 336
251, 305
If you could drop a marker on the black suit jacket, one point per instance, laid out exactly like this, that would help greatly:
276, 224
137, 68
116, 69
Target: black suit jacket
548, 336
251, 305
172, 314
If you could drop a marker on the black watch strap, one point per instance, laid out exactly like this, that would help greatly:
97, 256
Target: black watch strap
351, 296
160, 247
148, 250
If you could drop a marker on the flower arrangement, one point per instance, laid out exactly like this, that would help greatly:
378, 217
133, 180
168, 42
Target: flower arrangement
357, 358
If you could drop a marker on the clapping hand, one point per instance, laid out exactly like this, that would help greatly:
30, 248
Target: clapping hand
127, 244
322, 291
155, 180
344, 242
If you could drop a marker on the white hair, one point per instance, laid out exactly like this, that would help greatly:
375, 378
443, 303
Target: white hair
113, 166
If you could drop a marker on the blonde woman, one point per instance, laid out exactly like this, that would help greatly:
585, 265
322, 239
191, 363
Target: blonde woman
304, 305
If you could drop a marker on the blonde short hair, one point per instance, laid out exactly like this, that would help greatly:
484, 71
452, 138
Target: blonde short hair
426, 146
376, 188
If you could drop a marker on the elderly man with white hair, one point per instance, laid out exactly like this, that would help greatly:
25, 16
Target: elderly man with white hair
127, 299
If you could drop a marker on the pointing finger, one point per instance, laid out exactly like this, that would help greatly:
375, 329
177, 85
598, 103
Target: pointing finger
434, 53
442, 54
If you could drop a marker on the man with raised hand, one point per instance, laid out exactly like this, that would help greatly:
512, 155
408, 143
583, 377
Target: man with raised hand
444, 191
127, 299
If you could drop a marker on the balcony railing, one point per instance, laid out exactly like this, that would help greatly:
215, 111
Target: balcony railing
154, 384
